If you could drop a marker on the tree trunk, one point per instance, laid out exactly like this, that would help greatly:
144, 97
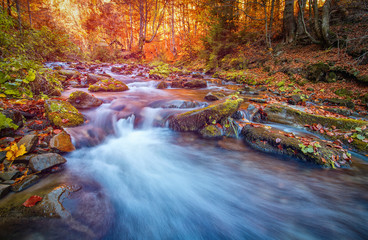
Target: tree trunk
271, 23
9, 7
325, 27
173, 49
289, 21
317, 28
29, 14
131, 27
19, 17
299, 27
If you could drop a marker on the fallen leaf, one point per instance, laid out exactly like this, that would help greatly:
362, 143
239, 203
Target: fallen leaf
57, 131
30, 202
65, 120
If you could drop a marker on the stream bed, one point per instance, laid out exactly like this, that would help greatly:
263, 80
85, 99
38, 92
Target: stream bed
169, 185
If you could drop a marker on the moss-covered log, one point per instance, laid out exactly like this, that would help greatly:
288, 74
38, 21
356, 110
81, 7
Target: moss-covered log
272, 140
199, 118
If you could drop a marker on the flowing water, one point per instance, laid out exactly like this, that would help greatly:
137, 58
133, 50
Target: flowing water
168, 185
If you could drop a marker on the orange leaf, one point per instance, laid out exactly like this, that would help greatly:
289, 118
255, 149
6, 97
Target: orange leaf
30, 202
57, 131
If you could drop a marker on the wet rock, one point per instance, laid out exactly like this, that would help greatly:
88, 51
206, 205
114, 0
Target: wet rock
199, 118
4, 142
108, 85
214, 96
238, 115
45, 161
117, 69
339, 102
211, 132
295, 99
197, 75
63, 114
69, 207
62, 142
25, 183
8, 175
162, 85
83, 100
258, 100
29, 141
93, 78
273, 140
177, 84
195, 84
69, 74
4, 190
177, 104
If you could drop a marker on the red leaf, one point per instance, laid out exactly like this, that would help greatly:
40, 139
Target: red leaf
38, 121
65, 120
330, 133
350, 140
57, 131
322, 131
30, 202
279, 147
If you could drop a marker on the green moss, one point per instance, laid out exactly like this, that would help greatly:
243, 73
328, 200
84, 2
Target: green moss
6, 122
109, 85
63, 114
211, 131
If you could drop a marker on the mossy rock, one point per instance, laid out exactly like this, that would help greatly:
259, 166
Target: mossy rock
67, 74
108, 85
214, 96
63, 114
83, 100
317, 72
340, 102
197, 119
211, 132
197, 83
272, 140
162, 85
93, 78
290, 116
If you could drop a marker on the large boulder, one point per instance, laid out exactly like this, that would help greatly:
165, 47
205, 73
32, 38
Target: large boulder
108, 85
197, 83
162, 85
29, 141
197, 119
62, 142
211, 132
63, 114
272, 140
83, 100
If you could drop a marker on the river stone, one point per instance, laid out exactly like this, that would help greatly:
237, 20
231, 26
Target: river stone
83, 100
177, 84
69, 74
25, 183
44, 161
162, 85
29, 141
62, 142
108, 85
4, 189
214, 96
197, 119
17, 119
195, 84
93, 78
63, 114
8, 175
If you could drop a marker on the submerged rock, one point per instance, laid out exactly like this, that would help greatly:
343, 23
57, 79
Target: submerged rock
62, 113
273, 140
25, 183
4, 190
199, 118
83, 100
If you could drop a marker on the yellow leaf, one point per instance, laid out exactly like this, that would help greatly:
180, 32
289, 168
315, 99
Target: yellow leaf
10, 156
22, 150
